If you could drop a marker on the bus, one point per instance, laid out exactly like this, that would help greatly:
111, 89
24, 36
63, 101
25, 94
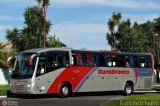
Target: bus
65, 71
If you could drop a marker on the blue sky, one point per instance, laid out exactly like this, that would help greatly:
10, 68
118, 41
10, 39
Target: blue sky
79, 23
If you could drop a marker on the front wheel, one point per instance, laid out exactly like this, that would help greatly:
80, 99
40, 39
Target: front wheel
128, 89
64, 90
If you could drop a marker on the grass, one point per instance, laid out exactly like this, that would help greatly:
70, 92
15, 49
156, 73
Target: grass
156, 83
136, 100
157, 88
4, 89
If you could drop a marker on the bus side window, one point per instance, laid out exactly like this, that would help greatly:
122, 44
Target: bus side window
101, 60
127, 63
63, 59
56, 60
73, 59
120, 61
134, 61
89, 59
94, 61
78, 59
114, 60
148, 62
84, 59
41, 66
141, 61
109, 60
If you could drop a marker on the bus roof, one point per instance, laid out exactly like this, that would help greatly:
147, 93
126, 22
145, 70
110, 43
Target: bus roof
39, 50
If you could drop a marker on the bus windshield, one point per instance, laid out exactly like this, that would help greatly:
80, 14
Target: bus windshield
25, 66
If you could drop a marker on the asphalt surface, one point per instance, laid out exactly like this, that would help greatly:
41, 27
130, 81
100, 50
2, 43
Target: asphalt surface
82, 99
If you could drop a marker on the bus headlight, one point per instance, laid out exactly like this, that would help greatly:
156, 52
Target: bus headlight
30, 85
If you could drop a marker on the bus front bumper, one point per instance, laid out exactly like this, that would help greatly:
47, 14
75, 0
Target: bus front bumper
20, 90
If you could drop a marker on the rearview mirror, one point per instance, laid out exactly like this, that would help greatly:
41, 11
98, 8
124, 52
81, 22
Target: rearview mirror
10, 62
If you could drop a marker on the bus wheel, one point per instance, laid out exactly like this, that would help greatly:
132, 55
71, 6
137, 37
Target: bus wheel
64, 90
128, 89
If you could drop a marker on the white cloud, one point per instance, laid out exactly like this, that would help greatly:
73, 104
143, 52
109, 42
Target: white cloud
19, 2
90, 36
11, 18
140, 18
114, 3
4, 27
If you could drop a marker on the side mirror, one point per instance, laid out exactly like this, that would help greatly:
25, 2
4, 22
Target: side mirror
30, 60
10, 62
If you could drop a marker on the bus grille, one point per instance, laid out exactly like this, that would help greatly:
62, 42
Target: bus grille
147, 83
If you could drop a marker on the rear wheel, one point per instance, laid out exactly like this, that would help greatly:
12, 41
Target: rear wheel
128, 89
64, 90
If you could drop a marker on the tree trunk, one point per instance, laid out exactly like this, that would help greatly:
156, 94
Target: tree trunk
44, 34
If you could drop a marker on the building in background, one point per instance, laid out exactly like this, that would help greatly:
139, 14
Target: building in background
8, 46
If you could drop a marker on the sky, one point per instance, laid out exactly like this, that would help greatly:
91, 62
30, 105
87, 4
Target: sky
79, 23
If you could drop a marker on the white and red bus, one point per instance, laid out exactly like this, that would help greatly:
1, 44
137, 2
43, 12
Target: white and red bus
66, 71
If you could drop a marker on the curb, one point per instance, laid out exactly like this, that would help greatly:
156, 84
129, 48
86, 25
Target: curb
146, 91
156, 85
3, 96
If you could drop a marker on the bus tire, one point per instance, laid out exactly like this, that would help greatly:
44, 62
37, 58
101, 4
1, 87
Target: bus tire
128, 89
64, 90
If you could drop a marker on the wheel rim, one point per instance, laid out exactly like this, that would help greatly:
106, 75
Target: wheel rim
65, 90
128, 89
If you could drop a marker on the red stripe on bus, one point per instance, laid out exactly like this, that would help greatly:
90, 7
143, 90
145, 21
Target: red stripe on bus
136, 74
73, 75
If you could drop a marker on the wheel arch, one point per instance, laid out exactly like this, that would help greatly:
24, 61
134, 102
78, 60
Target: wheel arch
129, 82
66, 82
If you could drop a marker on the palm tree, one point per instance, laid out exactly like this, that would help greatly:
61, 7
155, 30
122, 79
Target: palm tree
43, 4
13, 37
31, 36
54, 42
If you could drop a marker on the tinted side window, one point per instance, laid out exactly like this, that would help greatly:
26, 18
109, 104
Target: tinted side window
109, 60
95, 59
82, 59
121, 61
56, 60
148, 62
114, 60
145, 61
141, 61
101, 59
41, 66
76, 59
134, 61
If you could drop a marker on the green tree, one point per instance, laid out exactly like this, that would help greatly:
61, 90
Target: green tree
112, 35
54, 42
156, 45
143, 37
31, 36
14, 37
34, 21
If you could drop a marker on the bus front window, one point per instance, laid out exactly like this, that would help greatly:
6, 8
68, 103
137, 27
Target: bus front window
25, 66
